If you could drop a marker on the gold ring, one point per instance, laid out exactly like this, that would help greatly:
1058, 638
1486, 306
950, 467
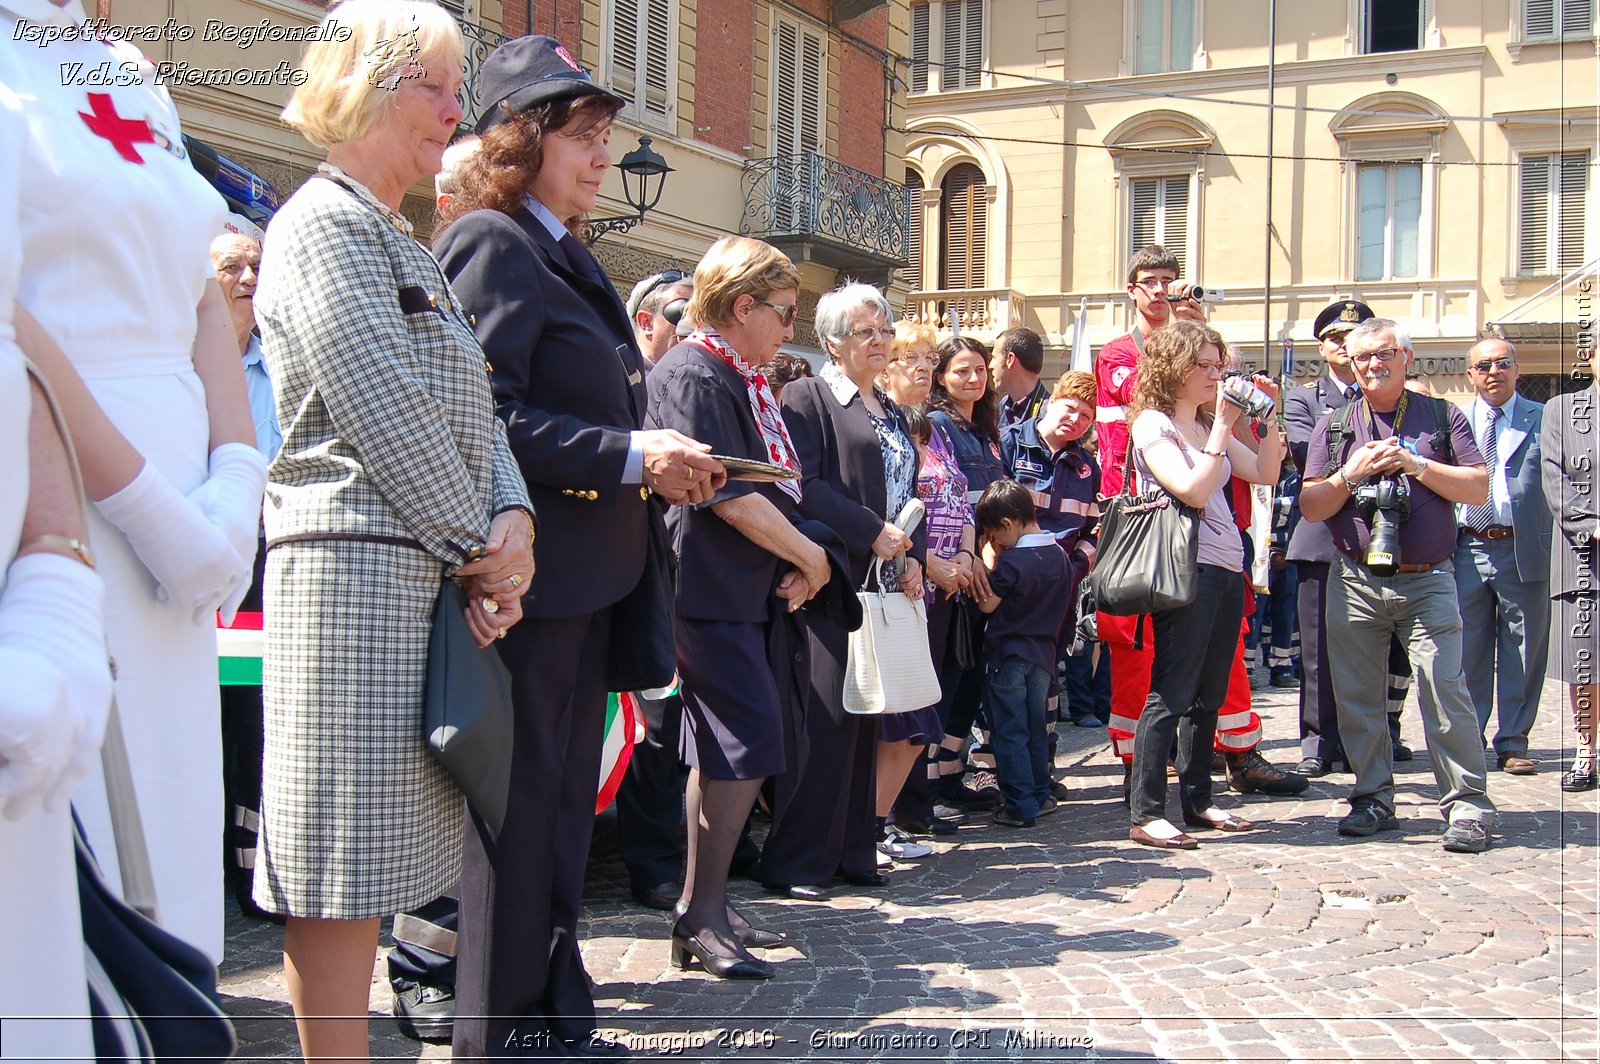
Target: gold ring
490, 605
516, 580
501, 634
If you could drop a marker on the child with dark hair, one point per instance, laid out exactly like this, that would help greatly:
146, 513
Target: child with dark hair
1029, 593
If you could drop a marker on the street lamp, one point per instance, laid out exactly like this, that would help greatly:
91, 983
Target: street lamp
644, 177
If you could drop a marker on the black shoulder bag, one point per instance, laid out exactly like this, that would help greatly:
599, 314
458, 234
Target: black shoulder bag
1149, 551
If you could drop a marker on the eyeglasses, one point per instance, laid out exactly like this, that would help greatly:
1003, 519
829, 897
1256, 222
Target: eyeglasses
1213, 368
785, 312
1153, 284
1501, 364
866, 334
918, 360
1383, 354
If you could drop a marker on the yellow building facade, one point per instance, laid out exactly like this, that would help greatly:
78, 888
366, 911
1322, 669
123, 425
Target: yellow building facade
1436, 159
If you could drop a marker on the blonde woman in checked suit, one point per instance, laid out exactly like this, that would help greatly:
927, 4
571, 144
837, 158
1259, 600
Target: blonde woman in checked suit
394, 473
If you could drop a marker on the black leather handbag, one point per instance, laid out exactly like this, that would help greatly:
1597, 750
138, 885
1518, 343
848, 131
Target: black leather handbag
467, 715
1149, 550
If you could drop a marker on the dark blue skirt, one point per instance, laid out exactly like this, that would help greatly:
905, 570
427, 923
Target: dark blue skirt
732, 717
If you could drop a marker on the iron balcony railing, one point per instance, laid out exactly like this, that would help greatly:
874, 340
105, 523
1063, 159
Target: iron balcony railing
479, 42
811, 197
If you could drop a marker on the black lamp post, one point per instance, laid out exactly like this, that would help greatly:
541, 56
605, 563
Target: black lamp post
644, 177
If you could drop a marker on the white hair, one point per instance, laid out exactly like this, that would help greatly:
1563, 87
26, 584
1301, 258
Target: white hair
448, 179
1373, 326
836, 308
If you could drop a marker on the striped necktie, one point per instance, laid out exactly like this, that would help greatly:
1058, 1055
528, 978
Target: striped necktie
1483, 515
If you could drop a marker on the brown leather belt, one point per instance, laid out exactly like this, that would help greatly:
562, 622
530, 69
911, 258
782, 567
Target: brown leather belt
1492, 532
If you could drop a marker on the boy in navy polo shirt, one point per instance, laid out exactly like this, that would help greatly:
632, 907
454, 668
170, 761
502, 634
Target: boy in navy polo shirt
1029, 593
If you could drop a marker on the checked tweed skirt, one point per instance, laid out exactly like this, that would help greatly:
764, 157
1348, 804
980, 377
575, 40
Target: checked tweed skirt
358, 820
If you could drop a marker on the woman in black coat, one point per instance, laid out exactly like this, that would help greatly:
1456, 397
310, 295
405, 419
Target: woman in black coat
740, 555
568, 382
859, 466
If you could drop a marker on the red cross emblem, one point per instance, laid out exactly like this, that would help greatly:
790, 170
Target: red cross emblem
123, 133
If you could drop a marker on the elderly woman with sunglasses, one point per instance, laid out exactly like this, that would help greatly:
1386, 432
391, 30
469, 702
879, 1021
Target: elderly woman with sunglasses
859, 466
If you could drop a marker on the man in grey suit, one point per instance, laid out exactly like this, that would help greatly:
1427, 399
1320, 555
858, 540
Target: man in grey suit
1503, 558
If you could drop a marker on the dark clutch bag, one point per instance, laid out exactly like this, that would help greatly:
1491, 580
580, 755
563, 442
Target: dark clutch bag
467, 715
642, 653
966, 634
1149, 550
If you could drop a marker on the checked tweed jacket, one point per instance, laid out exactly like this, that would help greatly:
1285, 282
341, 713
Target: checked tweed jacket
392, 467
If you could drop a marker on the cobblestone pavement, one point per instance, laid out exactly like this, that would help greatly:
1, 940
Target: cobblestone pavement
1068, 942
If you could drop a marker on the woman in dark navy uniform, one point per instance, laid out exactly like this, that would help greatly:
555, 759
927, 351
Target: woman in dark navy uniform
569, 384
740, 555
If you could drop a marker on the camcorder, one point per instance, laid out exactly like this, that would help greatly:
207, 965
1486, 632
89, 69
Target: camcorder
1242, 392
1195, 291
1384, 504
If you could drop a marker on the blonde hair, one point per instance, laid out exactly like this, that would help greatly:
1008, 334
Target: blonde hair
737, 266
366, 47
1076, 384
908, 334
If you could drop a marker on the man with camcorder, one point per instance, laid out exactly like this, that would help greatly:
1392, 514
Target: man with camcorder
1383, 473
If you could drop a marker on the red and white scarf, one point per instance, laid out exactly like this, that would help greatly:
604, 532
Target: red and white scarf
763, 405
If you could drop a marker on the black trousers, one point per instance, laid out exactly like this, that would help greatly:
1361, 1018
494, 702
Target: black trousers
824, 822
1188, 683
520, 980
650, 800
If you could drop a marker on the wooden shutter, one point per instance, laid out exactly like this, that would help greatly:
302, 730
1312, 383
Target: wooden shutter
914, 236
1577, 16
1538, 18
964, 206
657, 56
624, 52
1144, 208
963, 43
813, 60
1159, 214
1533, 214
1571, 184
1175, 219
920, 28
799, 71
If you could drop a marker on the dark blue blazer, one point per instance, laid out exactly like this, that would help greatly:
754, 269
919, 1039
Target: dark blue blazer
569, 384
1303, 407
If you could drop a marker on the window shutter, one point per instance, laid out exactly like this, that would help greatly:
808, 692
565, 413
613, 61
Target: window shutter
963, 43
919, 48
1571, 182
657, 56
625, 47
972, 43
812, 61
1533, 214
914, 237
965, 205
1577, 16
1142, 220
1538, 18
1175, 219
955, 74
785, 81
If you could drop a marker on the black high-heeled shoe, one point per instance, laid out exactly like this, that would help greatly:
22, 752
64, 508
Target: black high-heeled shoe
686, 945
749, 937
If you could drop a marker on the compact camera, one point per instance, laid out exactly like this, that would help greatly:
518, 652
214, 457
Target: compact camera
1241, 391
1385, 504
1195, 291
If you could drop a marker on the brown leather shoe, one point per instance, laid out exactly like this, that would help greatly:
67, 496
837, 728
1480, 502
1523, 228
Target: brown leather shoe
1518, 765
1177, 842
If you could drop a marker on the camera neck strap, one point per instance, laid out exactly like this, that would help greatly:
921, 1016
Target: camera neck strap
1399, 414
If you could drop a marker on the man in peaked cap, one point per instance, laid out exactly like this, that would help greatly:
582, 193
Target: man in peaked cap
1311, 550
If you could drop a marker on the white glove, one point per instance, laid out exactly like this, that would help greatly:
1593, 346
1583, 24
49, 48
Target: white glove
231, 499
57, 692
195, 567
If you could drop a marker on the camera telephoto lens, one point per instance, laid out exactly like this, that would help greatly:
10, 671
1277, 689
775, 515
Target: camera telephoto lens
1383, 548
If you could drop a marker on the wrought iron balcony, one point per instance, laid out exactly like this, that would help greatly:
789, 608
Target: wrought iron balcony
478, 42
819, 209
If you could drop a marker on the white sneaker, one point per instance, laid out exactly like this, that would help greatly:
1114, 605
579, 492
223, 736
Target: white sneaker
949, 812
900, 846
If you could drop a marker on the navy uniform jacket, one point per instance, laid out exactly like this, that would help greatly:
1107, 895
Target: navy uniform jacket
569, 384
1302, 409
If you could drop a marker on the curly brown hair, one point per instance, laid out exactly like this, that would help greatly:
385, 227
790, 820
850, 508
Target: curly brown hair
1170, 355
510, 153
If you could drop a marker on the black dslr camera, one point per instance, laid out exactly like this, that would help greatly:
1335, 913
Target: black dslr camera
1384, 504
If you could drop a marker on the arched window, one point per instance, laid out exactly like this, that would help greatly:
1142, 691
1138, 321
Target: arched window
964, 228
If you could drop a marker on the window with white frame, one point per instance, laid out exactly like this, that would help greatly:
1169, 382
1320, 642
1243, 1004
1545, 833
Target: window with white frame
1159, 214
640, 48
1164, 32
799, 74
1392, 25
946, 45
1552, 192
1388, 220
1548, 20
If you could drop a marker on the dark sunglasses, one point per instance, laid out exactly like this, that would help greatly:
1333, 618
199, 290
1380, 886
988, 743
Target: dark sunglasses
1501, 364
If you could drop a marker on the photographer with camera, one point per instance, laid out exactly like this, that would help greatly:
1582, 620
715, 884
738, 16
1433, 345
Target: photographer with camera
1383, 473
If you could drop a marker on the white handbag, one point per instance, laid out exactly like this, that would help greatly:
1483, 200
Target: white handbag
889, 668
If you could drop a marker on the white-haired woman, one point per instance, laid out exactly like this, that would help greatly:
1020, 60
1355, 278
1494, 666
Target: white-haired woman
394, 473
137, 345
859, 466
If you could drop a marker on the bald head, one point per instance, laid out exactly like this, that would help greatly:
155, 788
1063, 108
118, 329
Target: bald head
1492, 369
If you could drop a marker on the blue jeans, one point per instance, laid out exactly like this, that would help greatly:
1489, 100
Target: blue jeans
1086, 687
1015, 692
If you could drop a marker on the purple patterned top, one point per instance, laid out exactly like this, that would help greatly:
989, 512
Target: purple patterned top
942, 487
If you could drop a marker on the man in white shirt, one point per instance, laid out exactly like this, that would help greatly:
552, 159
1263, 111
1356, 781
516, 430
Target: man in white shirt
1503, 558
